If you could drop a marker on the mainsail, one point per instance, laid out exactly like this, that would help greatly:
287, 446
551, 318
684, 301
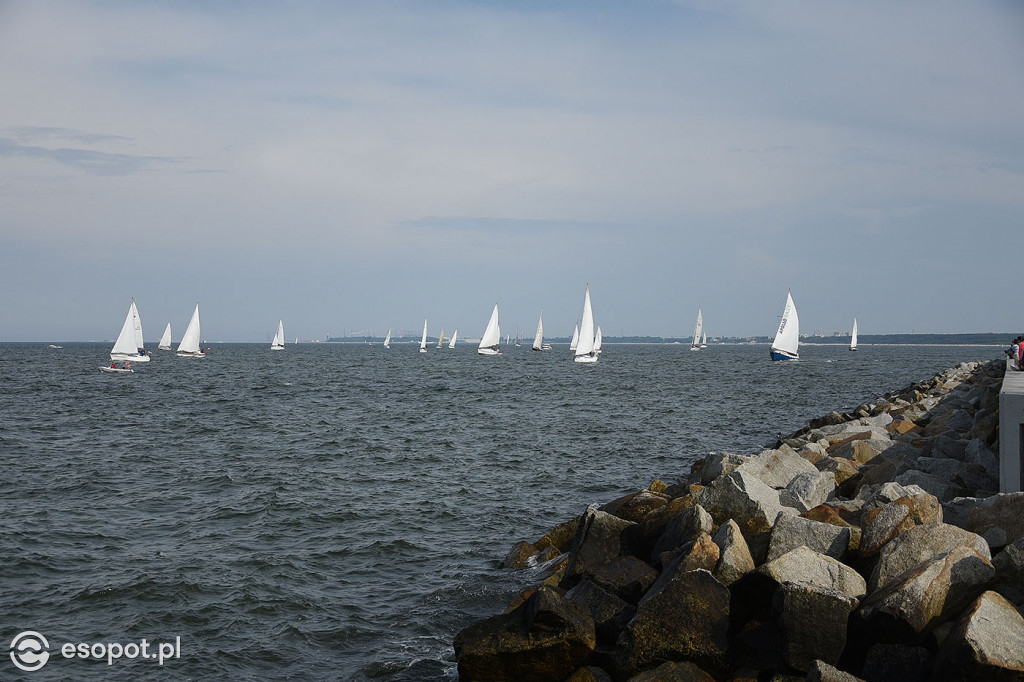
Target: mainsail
491, 339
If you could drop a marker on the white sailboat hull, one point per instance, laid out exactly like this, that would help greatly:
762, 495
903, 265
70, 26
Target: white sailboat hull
488, 351
591, 357
116, 370
187, 354
129, 357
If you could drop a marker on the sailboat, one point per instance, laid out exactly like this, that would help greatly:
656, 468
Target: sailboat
165, 340
387, 339
538, 338
129, 342
853, 336
787, 338
491, 339
695, 344
189, 345
585, 347
575, 337
598, 341
423, 341
451, 344
440, 341
704, 340
278, 342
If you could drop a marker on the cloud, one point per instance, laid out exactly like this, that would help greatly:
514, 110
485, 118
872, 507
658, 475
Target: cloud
88, 161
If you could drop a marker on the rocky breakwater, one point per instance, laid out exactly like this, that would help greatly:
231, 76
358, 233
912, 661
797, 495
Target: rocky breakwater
867, 545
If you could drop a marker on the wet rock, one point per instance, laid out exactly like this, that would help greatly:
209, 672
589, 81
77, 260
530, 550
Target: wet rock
734, 555
547, 638
897, 663
813, 619
898, 516
684, 616
999, 519
921, 598
560, 537
919, 544
750, 502
986, 644
609, 613
520, 555
791, 532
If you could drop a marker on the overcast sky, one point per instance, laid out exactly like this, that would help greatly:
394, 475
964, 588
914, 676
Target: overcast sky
363, 165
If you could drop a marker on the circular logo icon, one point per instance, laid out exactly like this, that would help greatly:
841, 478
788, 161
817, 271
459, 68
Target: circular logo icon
29, 651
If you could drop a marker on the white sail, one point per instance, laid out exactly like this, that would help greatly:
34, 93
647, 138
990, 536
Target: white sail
278, 342
125, 348
165, 340
538, 338
598, 340
585, 346
704, 340
695, 344
440, 340
188, 347
387, 339
423, 341
787, 338
455, 335
575, 337
853, 336
492, 335
137, 323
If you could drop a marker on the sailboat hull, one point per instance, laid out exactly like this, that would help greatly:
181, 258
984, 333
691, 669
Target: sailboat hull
782, 355
589, 357
277, 348
488, 351
187, 354
128, 357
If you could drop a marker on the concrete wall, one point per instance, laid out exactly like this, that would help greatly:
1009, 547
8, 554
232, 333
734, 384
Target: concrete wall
1011, 430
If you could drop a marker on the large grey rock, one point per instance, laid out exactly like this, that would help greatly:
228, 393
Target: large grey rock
898, 516
749, 501
791, 532
545, 638
956, 511
940, 488
717, 464
684, 616
808, 489
961, 421
609, 613
879, 421
986, 644
908, 608
999, 519
600, 538
672, 671
897, 663
682, 528
919, 544
977, 453
777, 468
734, 556
881, 495
949, 444
635, 506
813, 620
625, 576
805, 565
823, 672
701, 553
1009, 565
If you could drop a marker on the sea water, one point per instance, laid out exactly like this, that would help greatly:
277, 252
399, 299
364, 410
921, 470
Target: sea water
340, 511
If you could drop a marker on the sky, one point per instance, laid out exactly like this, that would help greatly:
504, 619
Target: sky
358, 166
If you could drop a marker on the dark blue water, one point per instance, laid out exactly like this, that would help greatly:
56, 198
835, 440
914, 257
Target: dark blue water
339, 511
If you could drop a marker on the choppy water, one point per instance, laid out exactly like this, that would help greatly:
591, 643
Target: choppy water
339, 511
